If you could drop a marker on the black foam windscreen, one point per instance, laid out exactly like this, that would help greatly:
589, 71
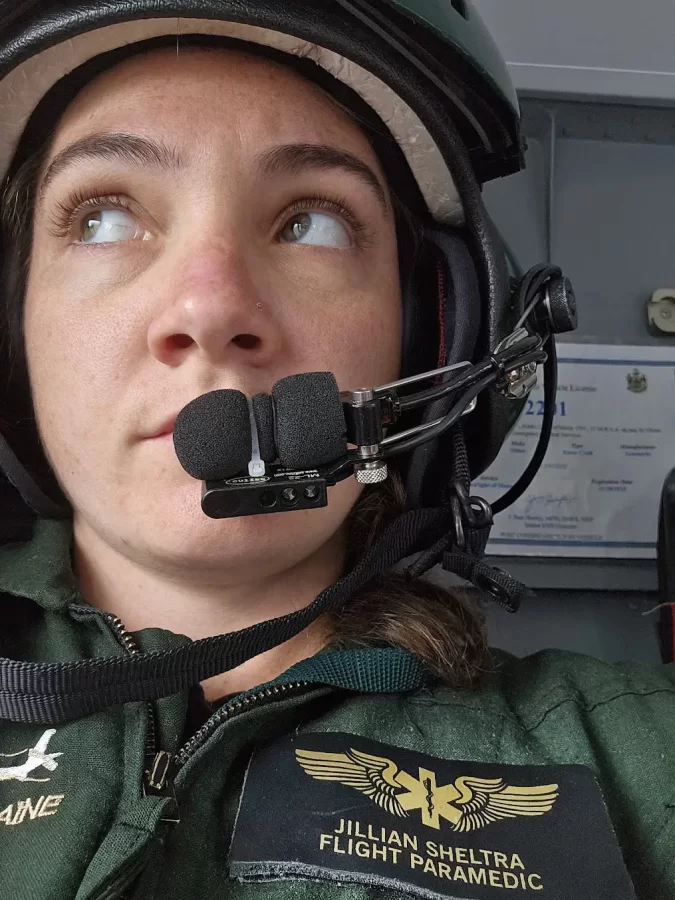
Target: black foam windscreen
212, 436
263, 412
310, 424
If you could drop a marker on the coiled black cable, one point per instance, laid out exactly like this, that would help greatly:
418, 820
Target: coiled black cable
550, 391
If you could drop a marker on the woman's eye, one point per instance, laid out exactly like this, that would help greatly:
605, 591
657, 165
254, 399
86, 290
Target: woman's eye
108, 226
315, 228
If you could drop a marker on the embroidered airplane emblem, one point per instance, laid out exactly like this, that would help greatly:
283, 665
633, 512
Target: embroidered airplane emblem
467, 804
38, 758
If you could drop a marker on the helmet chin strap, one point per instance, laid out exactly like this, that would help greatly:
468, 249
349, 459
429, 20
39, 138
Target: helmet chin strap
23, 481
54, 693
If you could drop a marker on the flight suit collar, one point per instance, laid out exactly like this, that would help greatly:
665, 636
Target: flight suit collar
40, 569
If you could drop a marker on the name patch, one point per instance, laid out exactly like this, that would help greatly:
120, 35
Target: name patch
342, 808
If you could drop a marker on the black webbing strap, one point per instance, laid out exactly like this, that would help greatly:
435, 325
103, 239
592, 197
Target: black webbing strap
54, 693
498, 585
24, 483
462, 549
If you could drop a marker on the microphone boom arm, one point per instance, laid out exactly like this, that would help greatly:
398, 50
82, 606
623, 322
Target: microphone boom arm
368, 414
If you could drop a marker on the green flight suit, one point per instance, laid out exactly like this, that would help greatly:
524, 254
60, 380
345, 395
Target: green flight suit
77, 822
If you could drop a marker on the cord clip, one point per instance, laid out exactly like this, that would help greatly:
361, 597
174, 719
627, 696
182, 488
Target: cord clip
515, 383
468, 514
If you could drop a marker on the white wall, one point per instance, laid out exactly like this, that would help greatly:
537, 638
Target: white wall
606, 48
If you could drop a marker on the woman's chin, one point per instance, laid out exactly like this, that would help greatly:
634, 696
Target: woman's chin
163, 527
181, 534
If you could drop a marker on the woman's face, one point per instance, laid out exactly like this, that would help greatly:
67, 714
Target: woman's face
204, 221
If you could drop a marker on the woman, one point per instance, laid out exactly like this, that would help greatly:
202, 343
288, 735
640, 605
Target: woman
192, 205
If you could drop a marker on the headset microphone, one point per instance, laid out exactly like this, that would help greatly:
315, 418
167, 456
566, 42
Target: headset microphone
280, 452
212, 437
310, 427
231, 444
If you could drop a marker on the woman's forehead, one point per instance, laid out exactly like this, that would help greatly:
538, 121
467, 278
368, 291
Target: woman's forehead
187, 95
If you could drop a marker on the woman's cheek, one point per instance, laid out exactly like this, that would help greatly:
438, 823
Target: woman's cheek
92, 281
72, 356
350, 318
90, 296
360, 350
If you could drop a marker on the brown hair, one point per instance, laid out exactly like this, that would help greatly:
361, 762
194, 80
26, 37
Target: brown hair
441, 626
16, 224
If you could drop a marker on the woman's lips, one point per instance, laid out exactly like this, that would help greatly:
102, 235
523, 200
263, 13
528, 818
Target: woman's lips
163, 431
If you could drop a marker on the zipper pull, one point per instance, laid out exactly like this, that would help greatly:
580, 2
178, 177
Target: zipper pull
158, 782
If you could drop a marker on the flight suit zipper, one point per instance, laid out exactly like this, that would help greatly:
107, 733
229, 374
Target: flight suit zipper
234, 708
128, 643
165, 767
151, 775
161, 766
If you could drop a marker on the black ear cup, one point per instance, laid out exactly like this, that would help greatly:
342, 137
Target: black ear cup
448, 320
421, 313
462, 310
470, 329
442, 314
452, 298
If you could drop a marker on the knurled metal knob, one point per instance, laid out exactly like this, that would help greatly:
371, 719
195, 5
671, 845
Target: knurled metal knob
371, 472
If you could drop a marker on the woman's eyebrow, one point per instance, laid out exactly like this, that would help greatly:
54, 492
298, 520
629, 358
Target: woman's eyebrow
293, 159
116, 146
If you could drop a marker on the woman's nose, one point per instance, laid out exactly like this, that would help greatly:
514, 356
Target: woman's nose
214, 309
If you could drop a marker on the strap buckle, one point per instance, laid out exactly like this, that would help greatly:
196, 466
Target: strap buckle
468, 514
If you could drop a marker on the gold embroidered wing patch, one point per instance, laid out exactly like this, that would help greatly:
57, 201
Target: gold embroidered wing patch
374, 776
486, 800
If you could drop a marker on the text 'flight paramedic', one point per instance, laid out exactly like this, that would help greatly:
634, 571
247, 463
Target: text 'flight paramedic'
232, 235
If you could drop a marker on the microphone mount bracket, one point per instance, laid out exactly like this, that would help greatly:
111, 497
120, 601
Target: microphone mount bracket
369, 414
277, 491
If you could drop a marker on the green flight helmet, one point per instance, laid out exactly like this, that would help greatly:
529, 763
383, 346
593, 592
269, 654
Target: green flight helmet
434, 94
